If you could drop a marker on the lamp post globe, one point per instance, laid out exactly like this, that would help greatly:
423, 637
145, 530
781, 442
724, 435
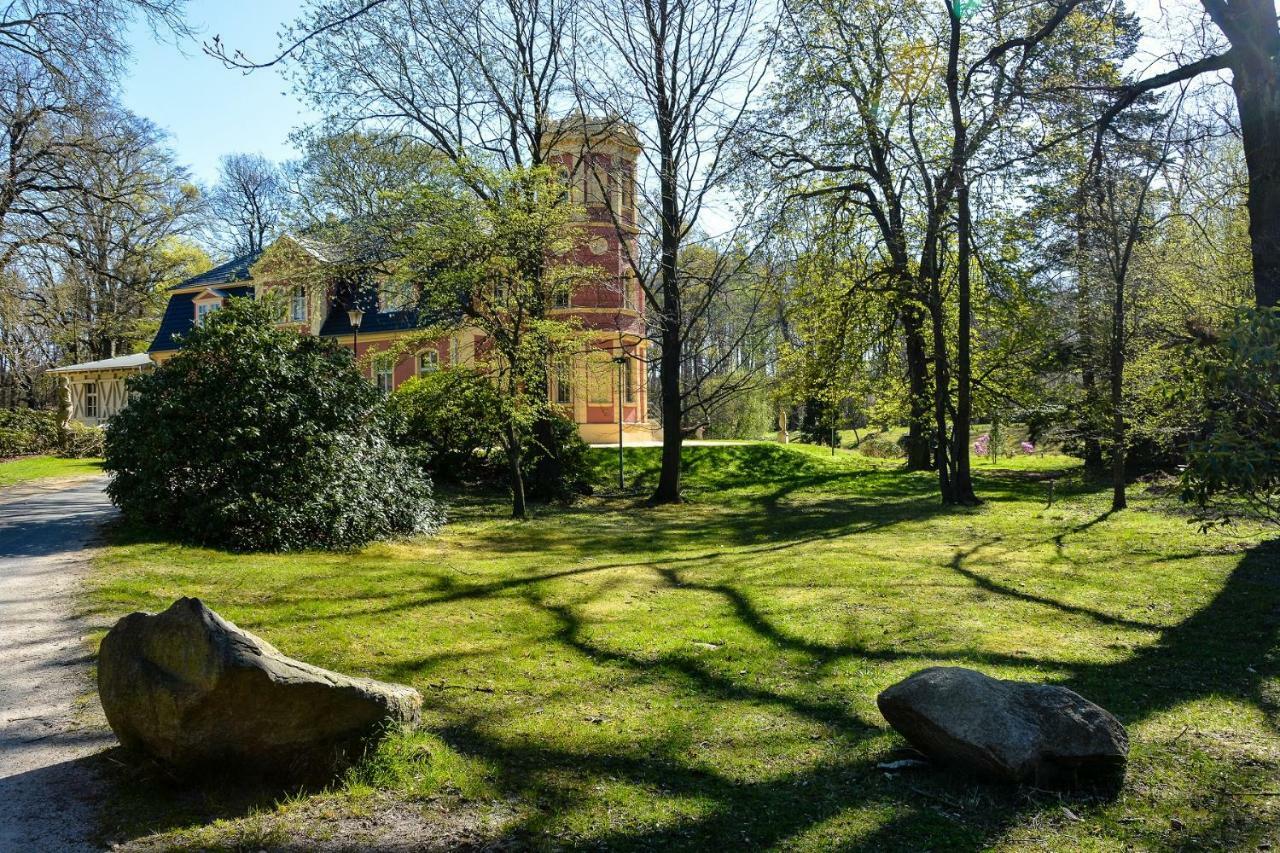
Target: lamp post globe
355, 315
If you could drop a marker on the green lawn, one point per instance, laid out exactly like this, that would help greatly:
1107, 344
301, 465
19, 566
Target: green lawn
704, 676
40, 467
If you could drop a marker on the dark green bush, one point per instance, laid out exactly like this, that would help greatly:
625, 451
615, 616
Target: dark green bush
24, 431
1238, 452
254, 437
556, 467
449, 421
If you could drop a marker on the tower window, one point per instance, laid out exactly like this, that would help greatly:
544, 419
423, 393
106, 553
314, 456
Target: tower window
627, 208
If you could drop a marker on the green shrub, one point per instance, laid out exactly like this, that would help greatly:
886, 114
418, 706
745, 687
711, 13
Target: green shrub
254, 437
83, 442
556, 464
1238, 453
24, 431
881, 448
448, 420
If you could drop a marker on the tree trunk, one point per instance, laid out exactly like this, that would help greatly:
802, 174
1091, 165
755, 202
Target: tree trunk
514, 460
1257, 88
941, 393
670, 363
1088, 377
668, 490
963, 485
1118, 500
918, 456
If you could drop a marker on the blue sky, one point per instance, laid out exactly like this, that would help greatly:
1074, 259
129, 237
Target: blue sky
207, 109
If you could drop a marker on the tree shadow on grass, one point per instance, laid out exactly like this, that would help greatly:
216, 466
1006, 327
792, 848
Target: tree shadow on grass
1229, 648
1226, 649
933, 809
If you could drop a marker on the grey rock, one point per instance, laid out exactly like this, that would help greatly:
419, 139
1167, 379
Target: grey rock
191, 689
1009, 730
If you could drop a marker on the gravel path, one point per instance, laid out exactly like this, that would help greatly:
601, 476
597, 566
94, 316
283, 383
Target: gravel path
47, 787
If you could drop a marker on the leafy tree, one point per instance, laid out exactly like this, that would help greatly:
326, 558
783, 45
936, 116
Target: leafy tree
1238, 452
254, 437
483, 258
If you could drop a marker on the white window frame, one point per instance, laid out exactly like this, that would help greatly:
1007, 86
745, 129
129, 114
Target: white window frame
428, 362
298, 304
384, 373
91, 407
204, 309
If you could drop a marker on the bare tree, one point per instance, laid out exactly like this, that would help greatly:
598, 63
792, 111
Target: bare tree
82, 40
247, 204
113, 242
474, 79
682, 73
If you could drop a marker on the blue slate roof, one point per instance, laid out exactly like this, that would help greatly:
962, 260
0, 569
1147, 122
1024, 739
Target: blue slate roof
373, 321
236, 269
180, 316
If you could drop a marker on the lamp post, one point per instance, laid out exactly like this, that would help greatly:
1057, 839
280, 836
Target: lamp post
621, 361
355, 315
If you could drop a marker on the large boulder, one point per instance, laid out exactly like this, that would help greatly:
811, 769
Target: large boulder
1009, 730
191, 689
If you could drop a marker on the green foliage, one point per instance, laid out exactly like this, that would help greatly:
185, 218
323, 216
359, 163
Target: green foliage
448, 420
1239, 453
24, 431
746, 414
83, 442
878, 447
451, 420
555, 462
254, 437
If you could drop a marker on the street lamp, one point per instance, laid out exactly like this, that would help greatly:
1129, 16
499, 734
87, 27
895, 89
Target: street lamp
621, 361
355, 315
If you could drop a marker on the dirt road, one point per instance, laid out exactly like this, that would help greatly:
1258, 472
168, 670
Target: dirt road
48, 790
